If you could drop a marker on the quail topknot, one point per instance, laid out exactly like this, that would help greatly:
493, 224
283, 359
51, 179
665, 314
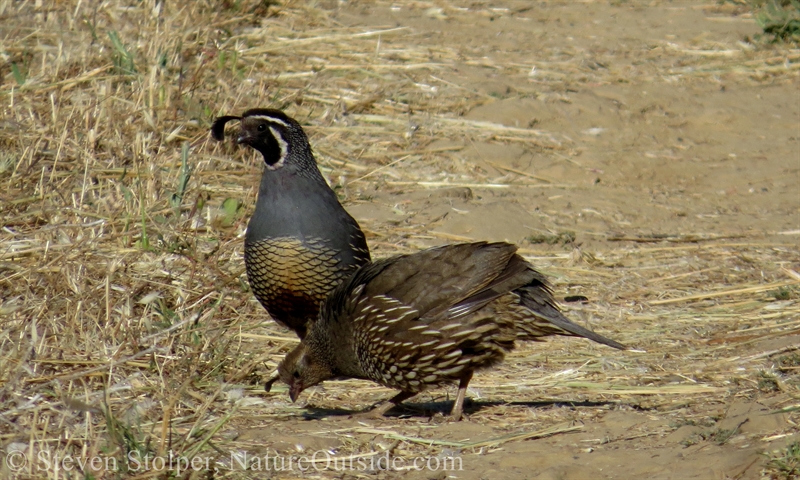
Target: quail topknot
413, 321
300, 242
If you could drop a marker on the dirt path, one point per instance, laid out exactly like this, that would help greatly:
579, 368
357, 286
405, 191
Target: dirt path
651, 132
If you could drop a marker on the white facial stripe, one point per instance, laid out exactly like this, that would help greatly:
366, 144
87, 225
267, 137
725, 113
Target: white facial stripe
284, 149
270, 119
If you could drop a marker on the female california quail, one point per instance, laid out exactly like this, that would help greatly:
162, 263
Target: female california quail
433, 317
300, 242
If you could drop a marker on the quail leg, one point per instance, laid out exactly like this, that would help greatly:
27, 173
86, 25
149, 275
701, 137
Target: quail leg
380, 409
458, 405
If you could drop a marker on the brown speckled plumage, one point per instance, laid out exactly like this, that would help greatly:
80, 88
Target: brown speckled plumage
434, 317
300, 242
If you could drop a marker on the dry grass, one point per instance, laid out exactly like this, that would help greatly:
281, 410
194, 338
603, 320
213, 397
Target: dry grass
127, 325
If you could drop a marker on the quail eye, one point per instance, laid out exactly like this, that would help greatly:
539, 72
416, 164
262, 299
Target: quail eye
262, 127
296, 374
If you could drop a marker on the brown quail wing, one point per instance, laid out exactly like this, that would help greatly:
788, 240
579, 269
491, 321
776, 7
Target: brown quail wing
434, 280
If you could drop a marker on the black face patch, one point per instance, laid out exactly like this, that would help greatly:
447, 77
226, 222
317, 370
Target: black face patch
267, 137
270, 148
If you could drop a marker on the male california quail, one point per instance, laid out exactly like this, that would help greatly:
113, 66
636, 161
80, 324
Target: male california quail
433, 317
300, 242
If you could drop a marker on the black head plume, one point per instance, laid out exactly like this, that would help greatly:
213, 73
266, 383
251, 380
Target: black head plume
218, 127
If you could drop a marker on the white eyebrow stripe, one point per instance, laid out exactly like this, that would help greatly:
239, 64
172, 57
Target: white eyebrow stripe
269, 119
284, 149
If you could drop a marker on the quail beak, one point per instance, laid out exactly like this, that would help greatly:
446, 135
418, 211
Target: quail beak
294, 390
243, 140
